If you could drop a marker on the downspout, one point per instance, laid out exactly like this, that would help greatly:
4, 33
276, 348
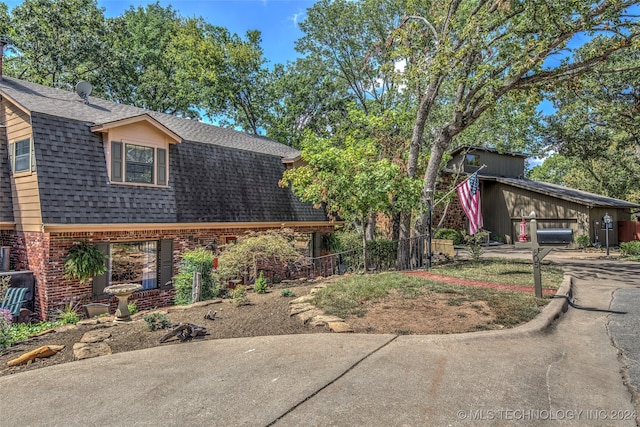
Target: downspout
2, 45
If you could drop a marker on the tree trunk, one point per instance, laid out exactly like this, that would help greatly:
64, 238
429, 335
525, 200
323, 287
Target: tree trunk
370, 232
395, 226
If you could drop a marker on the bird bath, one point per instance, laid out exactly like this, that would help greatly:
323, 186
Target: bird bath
122, 292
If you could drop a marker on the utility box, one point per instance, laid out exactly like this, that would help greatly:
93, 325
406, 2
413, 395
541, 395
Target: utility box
5, 256
555, 236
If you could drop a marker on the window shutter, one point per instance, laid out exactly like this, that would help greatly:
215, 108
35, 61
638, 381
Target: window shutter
162, 166
116, 161
11, 155
33, 157
102, 281
166, 264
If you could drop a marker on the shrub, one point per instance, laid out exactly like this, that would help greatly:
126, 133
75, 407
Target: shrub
5, 326
132, 307
583, 241
198, 260
630, 248
239, 296
449, 234
260, 287
69, 314
474, 244
156, 321
382, 253
273, 249
287, 293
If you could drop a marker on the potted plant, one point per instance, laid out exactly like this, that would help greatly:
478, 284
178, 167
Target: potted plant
84, 261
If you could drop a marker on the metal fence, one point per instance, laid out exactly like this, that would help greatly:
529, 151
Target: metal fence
413, 250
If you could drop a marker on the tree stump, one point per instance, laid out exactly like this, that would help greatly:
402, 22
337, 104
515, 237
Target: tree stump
184, 331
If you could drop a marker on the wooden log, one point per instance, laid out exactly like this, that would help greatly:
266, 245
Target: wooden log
184, 331
38, 353
39, 334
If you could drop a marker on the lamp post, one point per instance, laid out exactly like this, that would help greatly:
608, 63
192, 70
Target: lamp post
429, 208
608, 221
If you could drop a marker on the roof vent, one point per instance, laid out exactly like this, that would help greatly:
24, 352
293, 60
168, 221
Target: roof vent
83, 89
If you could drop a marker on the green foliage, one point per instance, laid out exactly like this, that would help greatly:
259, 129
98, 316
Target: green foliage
84, 261
583, 241
57, 42
270, 249
630, 248
474, 244
68, 314
5, 326
132, 307
449, 234
198, 260
382, 253
156, 321
260, 287
18, 332
239, 296
288, 293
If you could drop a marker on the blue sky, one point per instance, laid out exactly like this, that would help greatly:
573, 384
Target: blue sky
277, 20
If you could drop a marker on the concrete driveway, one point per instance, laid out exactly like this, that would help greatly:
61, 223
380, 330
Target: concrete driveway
567, 372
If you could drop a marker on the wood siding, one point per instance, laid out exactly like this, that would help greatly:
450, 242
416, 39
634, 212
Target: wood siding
504, 206
497, 164
24, 189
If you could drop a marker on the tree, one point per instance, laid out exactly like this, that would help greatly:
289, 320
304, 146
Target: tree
227, 74
350, 174
143, 70
596, 126
57, 42
472, 54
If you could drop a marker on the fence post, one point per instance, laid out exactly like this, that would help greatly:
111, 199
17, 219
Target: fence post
196, 289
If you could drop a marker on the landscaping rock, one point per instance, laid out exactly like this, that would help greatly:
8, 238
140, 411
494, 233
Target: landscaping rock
96, 335
301, 300
305, 316
322, 320
83, 350
300, 308
317, 288
339, 327
63, 328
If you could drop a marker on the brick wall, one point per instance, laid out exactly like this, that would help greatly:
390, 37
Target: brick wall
44, 253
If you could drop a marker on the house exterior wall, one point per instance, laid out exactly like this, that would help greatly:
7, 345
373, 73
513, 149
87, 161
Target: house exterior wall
24, 186
498, 164
44, 253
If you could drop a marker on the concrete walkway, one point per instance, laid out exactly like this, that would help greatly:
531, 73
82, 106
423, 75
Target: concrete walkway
568, 372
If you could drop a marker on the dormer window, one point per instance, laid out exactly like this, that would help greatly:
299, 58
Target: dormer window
139, 164
472, 160
137, 150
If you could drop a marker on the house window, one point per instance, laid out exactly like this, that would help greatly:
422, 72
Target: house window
20, 152
134, 262
473, 160
138, 164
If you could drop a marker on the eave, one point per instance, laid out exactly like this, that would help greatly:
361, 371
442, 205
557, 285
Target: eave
96, 228
105, 127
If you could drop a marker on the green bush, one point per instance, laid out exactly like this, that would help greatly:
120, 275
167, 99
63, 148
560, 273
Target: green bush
132, 307
288, 293
260, 287
382, 253
474, 244
630, 248
239, 296
156, 321
583, 241
449, 234
198, 260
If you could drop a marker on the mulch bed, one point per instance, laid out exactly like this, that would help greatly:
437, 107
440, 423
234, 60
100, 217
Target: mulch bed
478, 283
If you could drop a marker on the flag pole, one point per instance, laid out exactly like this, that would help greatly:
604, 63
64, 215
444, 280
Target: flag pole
454, 188
430, 206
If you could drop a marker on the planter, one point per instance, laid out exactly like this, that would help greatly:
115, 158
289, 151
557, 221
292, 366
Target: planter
95, 309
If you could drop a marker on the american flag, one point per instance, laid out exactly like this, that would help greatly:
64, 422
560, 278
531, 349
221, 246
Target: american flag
469, 193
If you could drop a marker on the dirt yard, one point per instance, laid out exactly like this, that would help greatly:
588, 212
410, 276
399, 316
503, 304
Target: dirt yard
267, 314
